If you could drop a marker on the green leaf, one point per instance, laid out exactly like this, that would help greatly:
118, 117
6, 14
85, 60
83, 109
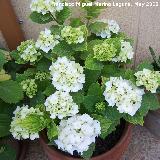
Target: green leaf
7, 152
56, 29
43, 65
95, 89
104, 123
5, 120
2, 60
145, 64
91, 77
78, 97
52, 131
63, 15
49, 90
129, 75
40, 18
76, 22
93, 64
63, 49
97, 27
79, 46
11, 91
88, 154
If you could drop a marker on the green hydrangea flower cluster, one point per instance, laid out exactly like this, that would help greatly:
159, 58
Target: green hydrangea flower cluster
42, 76
30, 87
100, 106
72, 35
27, 51
105, 51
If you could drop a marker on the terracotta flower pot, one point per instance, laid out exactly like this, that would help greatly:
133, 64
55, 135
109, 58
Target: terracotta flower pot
152, 122
114, 154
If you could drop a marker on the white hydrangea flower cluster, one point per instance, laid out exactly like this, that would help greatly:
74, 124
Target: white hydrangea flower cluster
126, 52
28, 51
17, 130
112, 27
67, 75
149, 79
124, 95
46, 6
72, 35
77, 133
47, 41
60, 104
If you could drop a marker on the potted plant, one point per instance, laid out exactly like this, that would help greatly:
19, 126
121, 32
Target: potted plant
80, 98
152, 120
10, 94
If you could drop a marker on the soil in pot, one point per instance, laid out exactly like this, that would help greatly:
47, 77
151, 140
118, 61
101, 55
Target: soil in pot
102, 146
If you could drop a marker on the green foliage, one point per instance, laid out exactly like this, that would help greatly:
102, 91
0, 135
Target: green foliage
88, 154
40, 18
79, 46
149, 102
145, 64
56, 29
7, 152
12, 93
93, 64
97, 27
63, 49
105, 124
2, 59
109, 70
76, 22
49, 90
78, 97
43, 65
63, 15
52, 131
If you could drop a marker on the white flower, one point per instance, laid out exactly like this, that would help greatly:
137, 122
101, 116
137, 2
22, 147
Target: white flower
149, 79
46, 6
126, 52
67, 75
60, 104
124, 95
27, 51
17, 129
47, 41
112, 27
77, 133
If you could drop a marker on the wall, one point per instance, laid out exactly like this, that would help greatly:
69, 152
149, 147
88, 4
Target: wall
143, 24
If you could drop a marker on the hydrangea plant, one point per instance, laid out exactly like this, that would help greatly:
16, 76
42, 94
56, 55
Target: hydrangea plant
76, 82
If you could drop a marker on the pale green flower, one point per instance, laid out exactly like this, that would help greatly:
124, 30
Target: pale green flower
149, 79
105, 51
100, 106
72, 35
42, 76
27, 51
30, 87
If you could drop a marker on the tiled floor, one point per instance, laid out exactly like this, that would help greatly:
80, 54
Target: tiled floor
143, 146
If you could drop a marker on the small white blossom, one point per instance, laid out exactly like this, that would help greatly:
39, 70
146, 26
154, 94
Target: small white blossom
77, 133
46, 6
124, 95
47, 41
60, 104
112, 27
67, 75
17, 129
126, 52
149, 79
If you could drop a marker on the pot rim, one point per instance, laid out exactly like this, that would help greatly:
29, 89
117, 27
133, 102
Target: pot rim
127, 131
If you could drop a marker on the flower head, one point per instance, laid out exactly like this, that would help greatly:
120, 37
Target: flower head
126, 52
67, 75
28, 52
73, 35
60, 104
105, 51
27, 122
47, 41
42, 76
124, 95
149, 79
30, 87
77, 133
46, 6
